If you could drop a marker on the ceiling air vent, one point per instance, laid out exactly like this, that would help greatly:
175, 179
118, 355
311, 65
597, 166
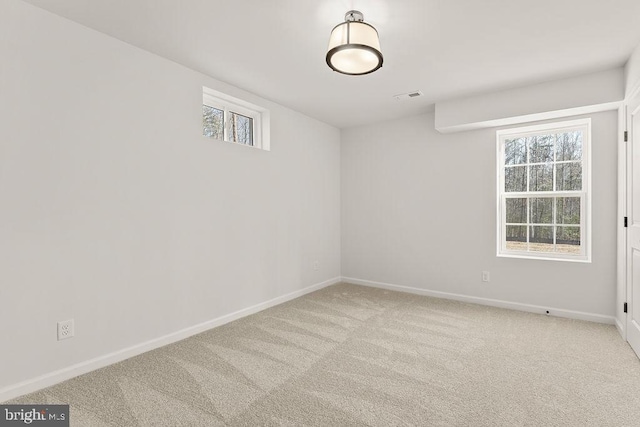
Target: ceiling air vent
405, 96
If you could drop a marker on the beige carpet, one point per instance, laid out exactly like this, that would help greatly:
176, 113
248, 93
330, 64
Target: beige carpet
350, 355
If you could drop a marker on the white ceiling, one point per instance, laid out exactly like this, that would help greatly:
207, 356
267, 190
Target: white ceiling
445, 48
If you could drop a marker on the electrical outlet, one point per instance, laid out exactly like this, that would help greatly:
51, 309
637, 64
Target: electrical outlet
65, 329
316, 265
485, 276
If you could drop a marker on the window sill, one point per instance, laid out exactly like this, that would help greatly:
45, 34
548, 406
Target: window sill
234, 143
582, 259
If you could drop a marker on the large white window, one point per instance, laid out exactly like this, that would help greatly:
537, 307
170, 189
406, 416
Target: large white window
544, 203
230, 119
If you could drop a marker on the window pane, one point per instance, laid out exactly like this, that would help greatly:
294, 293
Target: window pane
516, 237
569, 176
212, 122
541, 178
568, 210
241, 129
569, 146
541, 148
541, 239
515, 151
541, 210
568, 240
516, 211
515, 179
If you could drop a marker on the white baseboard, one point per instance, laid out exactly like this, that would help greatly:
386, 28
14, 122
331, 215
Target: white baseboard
579, 315
52, 378
621, 329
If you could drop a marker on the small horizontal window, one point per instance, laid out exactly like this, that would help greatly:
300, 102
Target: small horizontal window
230, 119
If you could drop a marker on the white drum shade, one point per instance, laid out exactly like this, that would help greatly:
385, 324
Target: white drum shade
354, 47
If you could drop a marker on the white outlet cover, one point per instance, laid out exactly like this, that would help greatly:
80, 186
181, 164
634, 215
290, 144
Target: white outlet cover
65, 329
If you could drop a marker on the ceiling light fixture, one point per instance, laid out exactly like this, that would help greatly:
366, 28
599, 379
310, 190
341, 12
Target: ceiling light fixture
354, 47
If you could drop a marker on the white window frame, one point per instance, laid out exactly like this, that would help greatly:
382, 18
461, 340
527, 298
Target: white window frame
584, 194
229, 104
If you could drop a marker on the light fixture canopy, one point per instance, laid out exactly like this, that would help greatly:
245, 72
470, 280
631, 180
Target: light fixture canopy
354, 46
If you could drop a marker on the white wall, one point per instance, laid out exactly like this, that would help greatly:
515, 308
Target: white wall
419, 210
632, 72
116, 212
582, 94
